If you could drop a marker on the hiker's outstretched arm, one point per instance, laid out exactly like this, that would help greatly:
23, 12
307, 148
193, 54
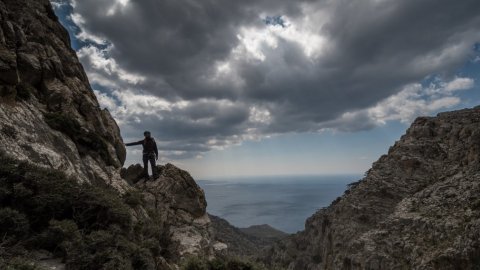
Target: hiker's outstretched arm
134, 143
155, 148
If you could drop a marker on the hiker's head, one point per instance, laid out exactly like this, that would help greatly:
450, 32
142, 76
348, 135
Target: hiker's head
147, 134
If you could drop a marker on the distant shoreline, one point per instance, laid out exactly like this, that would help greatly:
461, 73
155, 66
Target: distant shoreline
281, 202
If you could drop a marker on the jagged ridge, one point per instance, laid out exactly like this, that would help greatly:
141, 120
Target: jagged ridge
417, 208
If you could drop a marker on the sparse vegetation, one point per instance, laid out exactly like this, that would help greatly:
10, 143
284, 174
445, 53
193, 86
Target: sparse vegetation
134, 198
195, 263
88, 227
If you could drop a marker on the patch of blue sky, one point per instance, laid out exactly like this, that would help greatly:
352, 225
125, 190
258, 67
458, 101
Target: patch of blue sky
64, 13
471, 69
275, 20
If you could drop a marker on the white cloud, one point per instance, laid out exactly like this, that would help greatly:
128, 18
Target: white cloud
412, 101
58, 3
254, 41
99, 60
459, 84
260, 115
105, 101
213, 81
85, 35
118, 5
415, 100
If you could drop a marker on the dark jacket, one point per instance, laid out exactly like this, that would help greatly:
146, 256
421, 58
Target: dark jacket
149, 145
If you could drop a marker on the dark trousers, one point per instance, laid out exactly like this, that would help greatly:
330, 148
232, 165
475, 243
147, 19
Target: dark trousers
146, 158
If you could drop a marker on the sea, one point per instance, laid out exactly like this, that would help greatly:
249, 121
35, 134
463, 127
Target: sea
283, 202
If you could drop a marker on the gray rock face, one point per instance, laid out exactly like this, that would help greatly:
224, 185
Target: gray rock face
50, 116
48, 112
417, 208
180, 205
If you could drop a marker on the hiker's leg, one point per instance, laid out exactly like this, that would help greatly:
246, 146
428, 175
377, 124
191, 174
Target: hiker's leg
145, 165
154, 166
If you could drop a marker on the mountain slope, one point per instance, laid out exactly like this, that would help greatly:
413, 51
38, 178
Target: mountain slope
62, 197
49, 113
264, 231
243, 241
417, 208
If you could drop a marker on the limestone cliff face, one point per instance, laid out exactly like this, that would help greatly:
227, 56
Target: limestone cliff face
50, 117
417, 208
48, 112
179, 205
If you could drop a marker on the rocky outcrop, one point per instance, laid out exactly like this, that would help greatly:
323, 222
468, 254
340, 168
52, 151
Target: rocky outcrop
417, 208
51, 123
179, 205
49, 114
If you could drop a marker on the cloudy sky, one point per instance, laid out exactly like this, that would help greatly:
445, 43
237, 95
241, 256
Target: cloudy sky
261, 87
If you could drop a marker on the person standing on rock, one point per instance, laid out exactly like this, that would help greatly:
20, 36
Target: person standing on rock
150, 153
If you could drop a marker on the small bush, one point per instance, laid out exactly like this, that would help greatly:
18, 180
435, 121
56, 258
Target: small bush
195, 263
100, 208
90, 227
134, 198
13, 224
61, 237
18, 263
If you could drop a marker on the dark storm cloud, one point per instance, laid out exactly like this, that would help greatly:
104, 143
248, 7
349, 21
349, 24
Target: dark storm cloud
177, 40
373, 48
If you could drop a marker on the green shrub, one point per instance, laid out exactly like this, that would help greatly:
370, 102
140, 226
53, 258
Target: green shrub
240, 265
90, 227
100, 208
196, 263
13, 224
134, 198
143, 259
61, 237
18, 263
